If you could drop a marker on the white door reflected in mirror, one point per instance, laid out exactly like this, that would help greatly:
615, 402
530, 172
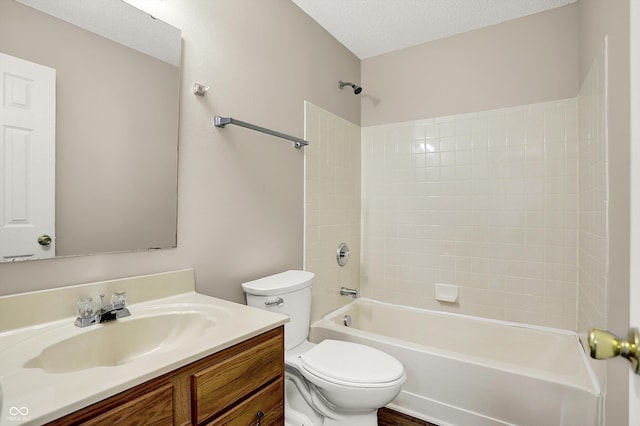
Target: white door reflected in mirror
27, 157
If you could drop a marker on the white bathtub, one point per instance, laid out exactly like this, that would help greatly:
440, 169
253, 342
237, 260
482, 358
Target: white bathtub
469, 371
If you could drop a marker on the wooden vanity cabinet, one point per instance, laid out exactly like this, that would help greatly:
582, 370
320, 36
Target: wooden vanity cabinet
230, 387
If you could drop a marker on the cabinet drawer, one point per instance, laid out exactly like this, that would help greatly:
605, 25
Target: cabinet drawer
155, 407
236, 377
269, 401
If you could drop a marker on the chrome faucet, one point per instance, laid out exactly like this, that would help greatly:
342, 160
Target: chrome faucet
89, 315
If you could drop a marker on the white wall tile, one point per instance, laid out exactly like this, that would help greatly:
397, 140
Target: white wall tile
332, 203
592, 181
494, 182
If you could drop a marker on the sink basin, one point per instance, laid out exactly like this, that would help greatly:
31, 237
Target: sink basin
122, 341
50, 368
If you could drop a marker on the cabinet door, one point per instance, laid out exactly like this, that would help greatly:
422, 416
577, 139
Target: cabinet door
269, 402
217, 387
153, 408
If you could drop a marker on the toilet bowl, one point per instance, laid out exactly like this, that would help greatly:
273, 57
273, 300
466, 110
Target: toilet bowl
332, 382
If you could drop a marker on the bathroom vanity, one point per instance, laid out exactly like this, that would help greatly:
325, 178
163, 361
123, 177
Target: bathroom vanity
180, 358
238, 385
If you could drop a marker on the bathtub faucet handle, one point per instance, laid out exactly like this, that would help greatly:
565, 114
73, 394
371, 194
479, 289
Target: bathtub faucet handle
343, 255
344, 291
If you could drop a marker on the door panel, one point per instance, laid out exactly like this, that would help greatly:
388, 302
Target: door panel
27, 159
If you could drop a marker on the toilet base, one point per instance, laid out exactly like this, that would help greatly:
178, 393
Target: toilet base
298, 412
361, 420
294, 418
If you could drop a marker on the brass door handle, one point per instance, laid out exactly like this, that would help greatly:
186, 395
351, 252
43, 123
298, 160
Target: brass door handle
44, 240
604, 344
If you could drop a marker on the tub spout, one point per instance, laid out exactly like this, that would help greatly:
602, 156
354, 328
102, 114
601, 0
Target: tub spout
344, 291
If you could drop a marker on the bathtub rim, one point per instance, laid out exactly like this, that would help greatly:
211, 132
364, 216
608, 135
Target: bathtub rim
328, 321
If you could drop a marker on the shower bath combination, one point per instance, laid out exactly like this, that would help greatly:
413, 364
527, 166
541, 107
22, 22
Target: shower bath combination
356, 89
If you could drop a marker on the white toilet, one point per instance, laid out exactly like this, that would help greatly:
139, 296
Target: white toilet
332, 382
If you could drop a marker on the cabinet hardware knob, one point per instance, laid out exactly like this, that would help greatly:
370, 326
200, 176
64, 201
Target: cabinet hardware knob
260, 415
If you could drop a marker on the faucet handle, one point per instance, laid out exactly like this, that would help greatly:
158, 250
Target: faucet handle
119, 299
86, 307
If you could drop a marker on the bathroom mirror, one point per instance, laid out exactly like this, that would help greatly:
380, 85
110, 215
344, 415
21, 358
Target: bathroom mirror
115, 102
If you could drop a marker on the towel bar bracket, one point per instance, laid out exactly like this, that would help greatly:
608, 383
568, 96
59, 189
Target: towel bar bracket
221, 121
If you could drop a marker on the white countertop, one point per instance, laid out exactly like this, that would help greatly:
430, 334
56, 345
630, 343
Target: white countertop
30, 395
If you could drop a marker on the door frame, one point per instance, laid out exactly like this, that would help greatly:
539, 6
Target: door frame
634, 232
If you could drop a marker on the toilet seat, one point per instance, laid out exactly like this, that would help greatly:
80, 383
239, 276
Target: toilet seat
352, 365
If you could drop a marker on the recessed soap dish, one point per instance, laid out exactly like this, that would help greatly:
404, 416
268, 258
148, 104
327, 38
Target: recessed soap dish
447, 293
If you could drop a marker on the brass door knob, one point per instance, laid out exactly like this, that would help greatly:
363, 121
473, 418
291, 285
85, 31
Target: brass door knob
604, 344
44, 240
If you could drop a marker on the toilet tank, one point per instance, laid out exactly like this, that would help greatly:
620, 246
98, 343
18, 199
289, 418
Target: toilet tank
287, 293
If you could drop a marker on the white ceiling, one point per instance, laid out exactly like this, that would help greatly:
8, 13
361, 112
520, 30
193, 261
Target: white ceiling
373, 27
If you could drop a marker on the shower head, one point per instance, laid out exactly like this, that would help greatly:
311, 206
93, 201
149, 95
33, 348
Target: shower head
356, 89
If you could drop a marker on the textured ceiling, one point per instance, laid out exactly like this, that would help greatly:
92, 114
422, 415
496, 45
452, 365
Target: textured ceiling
373, 27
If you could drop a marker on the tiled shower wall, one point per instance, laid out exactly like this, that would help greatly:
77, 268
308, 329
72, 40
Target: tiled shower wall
593, 236
486, 201
509, 204
332, 206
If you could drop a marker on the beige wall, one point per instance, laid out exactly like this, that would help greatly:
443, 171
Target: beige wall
597, 19
240, 207
524, 61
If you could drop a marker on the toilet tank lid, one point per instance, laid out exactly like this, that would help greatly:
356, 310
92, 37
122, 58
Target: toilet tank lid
284, 282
